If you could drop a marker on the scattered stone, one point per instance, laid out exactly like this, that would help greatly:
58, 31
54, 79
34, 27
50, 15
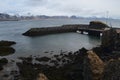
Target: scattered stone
3, 62
46, 52
27, 59
5, 75
45, 59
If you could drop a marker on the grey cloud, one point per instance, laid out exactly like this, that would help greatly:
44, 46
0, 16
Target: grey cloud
36, 2
64, 7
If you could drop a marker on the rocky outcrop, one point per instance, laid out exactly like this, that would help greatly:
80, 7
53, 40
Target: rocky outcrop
80, 65
5, 48
66, 66
97, 25
93, 66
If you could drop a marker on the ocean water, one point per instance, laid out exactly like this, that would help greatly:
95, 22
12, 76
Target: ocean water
12, 30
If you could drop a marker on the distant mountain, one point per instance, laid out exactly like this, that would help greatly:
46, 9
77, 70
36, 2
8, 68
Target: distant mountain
7, 17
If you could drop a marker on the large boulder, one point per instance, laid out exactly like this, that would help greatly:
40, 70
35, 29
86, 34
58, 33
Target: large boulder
93, 66
97, 25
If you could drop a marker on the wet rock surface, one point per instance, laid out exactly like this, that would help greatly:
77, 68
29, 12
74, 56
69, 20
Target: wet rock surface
45, 59
5, 48
64, 67
3, 62
7, 43
79, 65
95, 64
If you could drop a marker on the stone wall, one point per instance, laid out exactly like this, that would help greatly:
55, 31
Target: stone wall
53, 30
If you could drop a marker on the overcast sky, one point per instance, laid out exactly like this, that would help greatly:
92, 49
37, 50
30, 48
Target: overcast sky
85, 8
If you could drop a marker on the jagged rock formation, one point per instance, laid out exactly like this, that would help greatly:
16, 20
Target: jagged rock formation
93, 67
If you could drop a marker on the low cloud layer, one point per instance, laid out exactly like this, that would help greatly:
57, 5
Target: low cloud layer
62, 7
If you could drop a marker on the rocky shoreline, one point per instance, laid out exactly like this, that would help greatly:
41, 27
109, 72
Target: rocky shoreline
5, 47
94, 64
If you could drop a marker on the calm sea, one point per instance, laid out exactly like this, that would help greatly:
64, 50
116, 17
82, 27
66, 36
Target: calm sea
12, 30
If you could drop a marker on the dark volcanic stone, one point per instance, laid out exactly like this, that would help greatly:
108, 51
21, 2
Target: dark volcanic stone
3, 62
112, 71
70, 69
1, 68
7, 43
43, 59
6, 51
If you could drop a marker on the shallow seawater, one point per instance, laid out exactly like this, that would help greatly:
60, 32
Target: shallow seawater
12, 30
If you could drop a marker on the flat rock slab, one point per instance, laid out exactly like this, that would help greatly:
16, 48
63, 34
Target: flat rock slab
6, 50
7, 43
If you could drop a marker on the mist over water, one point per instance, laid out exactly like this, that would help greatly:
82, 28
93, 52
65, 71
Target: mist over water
12, 30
